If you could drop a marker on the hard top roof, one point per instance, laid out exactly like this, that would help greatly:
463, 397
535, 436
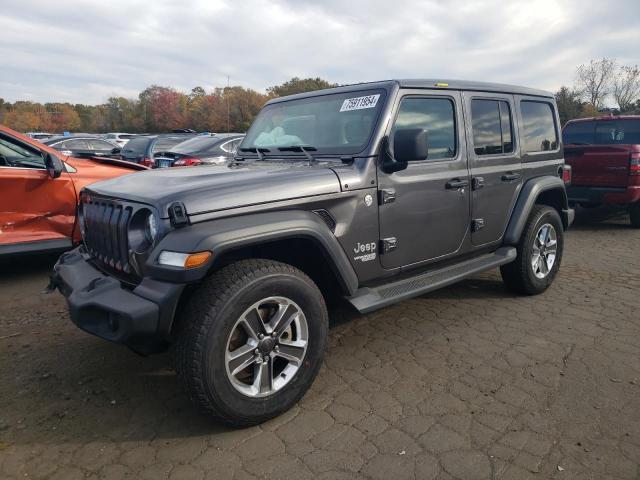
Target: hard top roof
604, 118
436, 84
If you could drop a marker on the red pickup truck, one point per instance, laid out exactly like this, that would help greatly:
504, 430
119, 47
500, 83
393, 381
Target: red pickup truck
604, 153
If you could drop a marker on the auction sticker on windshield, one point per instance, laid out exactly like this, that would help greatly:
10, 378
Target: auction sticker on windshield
359, 103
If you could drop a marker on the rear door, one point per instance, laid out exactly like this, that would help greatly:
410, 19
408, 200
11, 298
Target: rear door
599, 151
494, 161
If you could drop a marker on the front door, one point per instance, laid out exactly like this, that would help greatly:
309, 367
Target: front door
494, 161
34, 207
424, 209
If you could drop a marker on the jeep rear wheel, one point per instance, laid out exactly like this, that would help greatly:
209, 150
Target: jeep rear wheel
539, 253
252, 341
634, 214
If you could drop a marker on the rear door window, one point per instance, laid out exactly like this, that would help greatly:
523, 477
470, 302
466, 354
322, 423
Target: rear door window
617, 132
100, 145
491, 125
539, 127
75, 144
579, 133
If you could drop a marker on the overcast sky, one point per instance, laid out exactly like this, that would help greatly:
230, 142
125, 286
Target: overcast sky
84, 52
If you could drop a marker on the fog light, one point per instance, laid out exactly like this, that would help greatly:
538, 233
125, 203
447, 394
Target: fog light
183, 260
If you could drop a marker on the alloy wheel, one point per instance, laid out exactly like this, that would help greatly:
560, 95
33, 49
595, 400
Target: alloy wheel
545, 247
266, 346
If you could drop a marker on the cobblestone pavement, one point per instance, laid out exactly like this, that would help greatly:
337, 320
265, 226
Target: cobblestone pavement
468, 383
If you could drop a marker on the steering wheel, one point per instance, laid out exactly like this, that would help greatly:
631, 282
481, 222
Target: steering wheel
3, 161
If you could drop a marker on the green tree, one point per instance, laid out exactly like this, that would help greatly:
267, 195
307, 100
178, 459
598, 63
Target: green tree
569, 104
299, 85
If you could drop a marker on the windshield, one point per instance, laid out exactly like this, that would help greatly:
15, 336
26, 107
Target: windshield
339, 123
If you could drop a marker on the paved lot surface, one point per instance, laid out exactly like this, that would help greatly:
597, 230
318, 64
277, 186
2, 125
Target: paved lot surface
469, 382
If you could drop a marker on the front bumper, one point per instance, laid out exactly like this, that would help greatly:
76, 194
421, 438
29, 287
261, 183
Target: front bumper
99, 304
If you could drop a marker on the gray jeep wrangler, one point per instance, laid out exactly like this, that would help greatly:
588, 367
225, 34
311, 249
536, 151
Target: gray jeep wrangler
371, 193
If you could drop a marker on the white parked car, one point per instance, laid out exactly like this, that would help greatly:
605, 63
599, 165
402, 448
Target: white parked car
120, 138
39, 135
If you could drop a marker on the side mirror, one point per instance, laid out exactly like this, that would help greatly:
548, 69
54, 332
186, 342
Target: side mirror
53, 165
410, 144
116, 150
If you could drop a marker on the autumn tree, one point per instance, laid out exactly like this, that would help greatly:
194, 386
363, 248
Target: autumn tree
22, 120
626, 87
164, 108
60, 117
595, 80
299, 85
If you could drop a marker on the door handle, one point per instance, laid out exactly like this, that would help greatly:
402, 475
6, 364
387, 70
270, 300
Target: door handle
510, 177
456, 184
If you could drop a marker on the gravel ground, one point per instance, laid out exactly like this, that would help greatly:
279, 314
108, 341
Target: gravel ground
469, 382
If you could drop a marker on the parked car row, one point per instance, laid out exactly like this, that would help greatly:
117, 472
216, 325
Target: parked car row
182, 148
172, 150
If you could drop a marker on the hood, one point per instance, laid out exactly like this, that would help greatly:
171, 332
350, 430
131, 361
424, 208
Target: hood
212, 188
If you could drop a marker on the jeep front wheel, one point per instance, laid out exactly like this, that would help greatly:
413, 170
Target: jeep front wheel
539, 253
252, 341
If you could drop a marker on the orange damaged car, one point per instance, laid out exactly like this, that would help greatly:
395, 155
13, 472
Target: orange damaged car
39, 191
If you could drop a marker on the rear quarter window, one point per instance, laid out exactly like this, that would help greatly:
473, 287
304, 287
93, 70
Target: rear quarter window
539, 126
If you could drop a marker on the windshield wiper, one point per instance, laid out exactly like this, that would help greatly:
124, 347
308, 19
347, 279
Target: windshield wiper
302, 148
258, 151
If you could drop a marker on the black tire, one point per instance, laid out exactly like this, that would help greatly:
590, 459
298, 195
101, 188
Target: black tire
518, 276
634, 214
208, 321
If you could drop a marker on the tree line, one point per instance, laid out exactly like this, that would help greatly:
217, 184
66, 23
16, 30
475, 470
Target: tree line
595, 83
157, 109
233, 108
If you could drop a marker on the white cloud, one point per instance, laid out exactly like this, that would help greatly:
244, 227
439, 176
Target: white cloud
87, 51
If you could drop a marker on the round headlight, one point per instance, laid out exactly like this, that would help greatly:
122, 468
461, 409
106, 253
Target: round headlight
143, 229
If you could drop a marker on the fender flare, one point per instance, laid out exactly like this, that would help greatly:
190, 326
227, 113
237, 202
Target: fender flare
227, 234
529, 194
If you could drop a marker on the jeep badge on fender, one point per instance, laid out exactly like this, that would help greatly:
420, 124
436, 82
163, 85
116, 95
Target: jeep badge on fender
236, 263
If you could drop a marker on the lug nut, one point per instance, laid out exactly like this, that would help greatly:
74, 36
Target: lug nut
276, 348
256, 351
259, 360
261, 336
274, 334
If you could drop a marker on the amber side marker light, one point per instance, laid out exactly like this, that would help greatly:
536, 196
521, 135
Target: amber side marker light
441, 84
183, 260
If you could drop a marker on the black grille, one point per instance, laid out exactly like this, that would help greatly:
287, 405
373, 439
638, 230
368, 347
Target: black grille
105, 233
326, 218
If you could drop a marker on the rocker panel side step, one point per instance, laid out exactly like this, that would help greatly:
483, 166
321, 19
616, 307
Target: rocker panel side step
368, 299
